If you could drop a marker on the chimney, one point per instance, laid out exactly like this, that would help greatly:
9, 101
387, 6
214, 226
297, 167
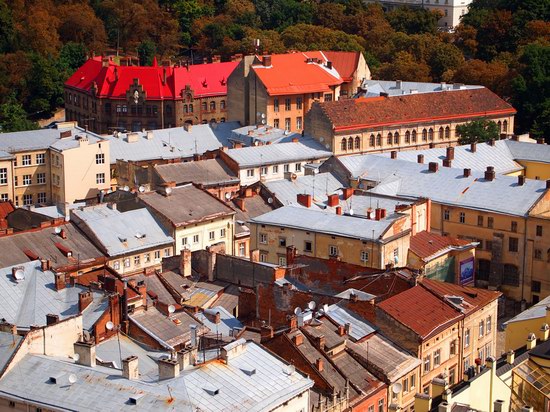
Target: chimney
540, 141
194, 337
444, 407
347, 192
60, 283
473, 147
347, 328
187, 127
304, 199
168, 369
8, 328
531, 341
377, 213
298, 339
63, 234
339, 210
51, 319
420, 158
447, 162
498, 406
382, 213
341, 330
266, 333
521, 180
185, 262
492, 142
450, 153
467, 172
510, 356
255, 255
333, 200
84, 300
293, 323
320, 364
149, 135
85, 352
45, 265
490, 173
329, 65
548, 184
213, 315
130, 369
266, 60
240, 202
187, 357
233, 349
432, 145
320, 342
544, 332
433, 167
393, 154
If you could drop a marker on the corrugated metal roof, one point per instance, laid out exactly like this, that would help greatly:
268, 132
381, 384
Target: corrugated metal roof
426, 244
304, 150
447, 186
264, 134
121, 233
359, 326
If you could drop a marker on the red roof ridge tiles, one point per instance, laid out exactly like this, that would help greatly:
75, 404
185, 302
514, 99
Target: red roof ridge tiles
426, 244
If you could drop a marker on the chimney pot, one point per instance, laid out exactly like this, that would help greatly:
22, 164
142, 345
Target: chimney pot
433, 167
473, 147
420, 158
521, 180
394, 154
490, 173
266, 60
130, 369
510, 356
450, 153
333, 200
467, 172
338, 210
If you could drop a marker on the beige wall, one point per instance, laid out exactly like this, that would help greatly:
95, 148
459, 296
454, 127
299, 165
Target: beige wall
6, 189
223, 231
257, 175
20, 171
138, 262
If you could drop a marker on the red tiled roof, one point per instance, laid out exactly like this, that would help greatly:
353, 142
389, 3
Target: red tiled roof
5, 209
425, 244
420, 311
350, 114
290, 73
114, 81
475, 298
344, 62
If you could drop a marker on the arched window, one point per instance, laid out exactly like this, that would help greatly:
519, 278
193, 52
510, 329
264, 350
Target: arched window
371, 140
204, 106
424, 135
379, 139
499, 124
343, 144
396, 138
407, 137
350, 143
222, 104
185, 109
357, 142
505, 126
447, 132
440, 133
389, 140
190, 108
431, 134
414, 136
212, 105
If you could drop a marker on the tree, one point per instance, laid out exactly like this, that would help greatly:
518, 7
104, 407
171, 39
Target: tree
7, 31
13, 117
45, 86
146, 52
404, 67
413, 20
80, 24
494, 75
309, 37
71, 57
443, 58
477, 131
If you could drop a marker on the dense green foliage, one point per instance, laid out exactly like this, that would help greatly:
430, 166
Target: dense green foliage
502, 44
477, 131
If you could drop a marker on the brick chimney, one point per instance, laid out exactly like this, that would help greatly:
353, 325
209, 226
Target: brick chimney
467, 172
473, 147
320, 342
293, 322
377, 213
84, 300
450, 153
393, 154
86, 353
521, 180
240, 202
433, 167
298, 339
341, 330
420, 158
60, 283
339, 210
490, 173
304, 199
130, 368
347, 192
333, 200
45, 265
320, 364
447, 163
168, 369
185, 262
63, 234
266, 60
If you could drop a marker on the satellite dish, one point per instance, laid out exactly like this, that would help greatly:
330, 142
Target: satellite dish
311, 305
270, 200
297, 311
19, 275
325, 308
351, 212
262, 115
228, 196
258, 114
72, 378
141, 189
126, 188
57, 230
76, 357
87, 336
396, 388
110, 325
171, 309
168, 190
263, 121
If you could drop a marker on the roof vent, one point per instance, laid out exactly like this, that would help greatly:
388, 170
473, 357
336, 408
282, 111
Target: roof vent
56, 378
134, 399
122, 238
249, 371
140, 235
211, 389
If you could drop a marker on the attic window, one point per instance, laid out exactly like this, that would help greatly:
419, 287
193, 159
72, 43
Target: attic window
140, 235
122, 239
212, 390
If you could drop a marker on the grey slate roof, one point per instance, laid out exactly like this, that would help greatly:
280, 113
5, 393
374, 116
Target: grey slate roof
172, 143
206, 172
5, 155
499, 156
373, 88
28, 302
359, 326
286, 190
534, 312
325, 222
9, 343
529, 151
448, 186
304, 150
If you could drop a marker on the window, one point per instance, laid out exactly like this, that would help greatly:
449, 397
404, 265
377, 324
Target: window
427, 364
299, 123
287, 123
263, 170
212, 106
275, 105
190, 108
183, 241
282, 260
332, 250
195, 239
107, 108
488, 325
452, 375
157, 254
539, 230
328, 97
431, 134
250, 173
137, 260
286, 168
452, 347
263, 238
15, 181
490, 221
222, 104
308, 246
275, 169
147, 258
263, 257
282, 242
343, 144
27, 180
407, 137
26, 160
413, 381
371, 408
424, 135
211, 235
41, 197
466, 364
446, 214
462, 217
437, 358
396, 138
350, 143
222, 232
41, 178
100, 158
413, 136
364, 256
40, 159
118, 108
513, 244
405, 385
124, 108
481, 329
447, 132
380, 405
287, 104
537, 254
167, 252
100, 178
357, 142
371, 140
204, 106
510, 275
242, 249
440, 134
3, 176
535, 286
27, 200
276, 123
467, 338
4, 197
379, 139
298, 167
127, 262
480, 220
389, 139
514, 226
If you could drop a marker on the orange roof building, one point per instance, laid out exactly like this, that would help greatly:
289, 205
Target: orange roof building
279, 89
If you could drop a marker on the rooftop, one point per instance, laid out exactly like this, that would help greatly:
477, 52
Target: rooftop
413, 180
536, 311
227, 326
428, 245
359, 327
119, 233
373, 88
251, 135
344, 62
9, 344
350, 114
209, 172
186, 205
303, 150
529, 151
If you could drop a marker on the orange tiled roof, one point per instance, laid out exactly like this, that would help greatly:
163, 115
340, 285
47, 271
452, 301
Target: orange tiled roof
344, 62
425, 244
291, 73
351, 114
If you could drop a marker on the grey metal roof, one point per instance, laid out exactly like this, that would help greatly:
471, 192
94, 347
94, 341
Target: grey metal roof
57, 211
5, 155
325, 222
499, 156
529, 151
207, 172
120, 233
228, 322
43, 139
9, 343
27, 302
248, 135
304, 150
447, 186
373, 88
172, 143
316, 185
359, 326
534, 312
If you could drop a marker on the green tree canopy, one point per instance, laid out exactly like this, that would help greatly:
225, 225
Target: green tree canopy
477, 131
13, 117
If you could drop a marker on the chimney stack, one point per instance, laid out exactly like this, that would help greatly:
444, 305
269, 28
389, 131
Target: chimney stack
377, 213
473, 147
347, 328
544, 332
85, 352
341, 330
185, 262
320, 364
420, 158
498, 405
168, 369
467, 172
447, 163
347, 192
304, 199
333, 200
510, 356
130, 369
320, 342
531, 341
339, 210
266, 60
84, 300
433, 167
450, 153
490, 173
298, 339
492, 142
521, 180
393, 154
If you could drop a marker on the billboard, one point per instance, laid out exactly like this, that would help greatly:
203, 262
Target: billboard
466, 271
